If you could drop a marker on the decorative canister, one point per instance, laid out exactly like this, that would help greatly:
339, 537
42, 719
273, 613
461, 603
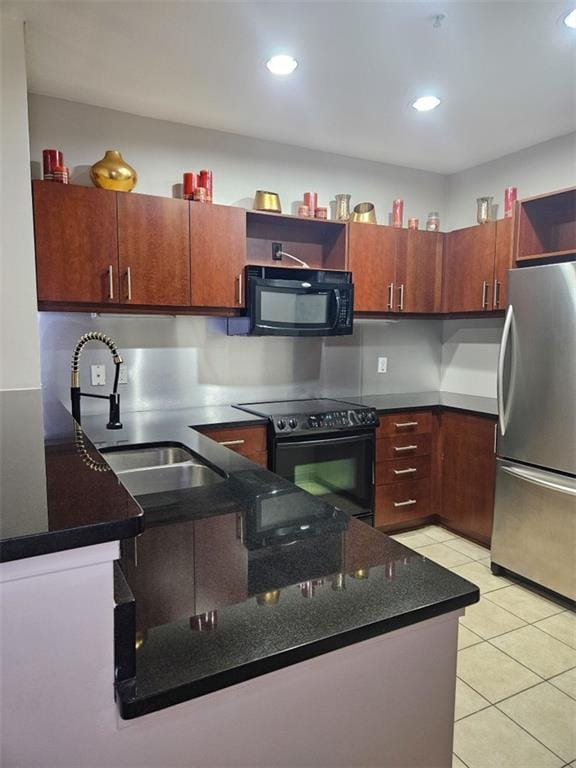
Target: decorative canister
303, 210
200, 195
397, 213
188, 185
205, 180
311, 200
61, 174
342, 211
321, 213
364, 213
484, 209
413, 223
113, 172
433, 222
510, 195
50, 159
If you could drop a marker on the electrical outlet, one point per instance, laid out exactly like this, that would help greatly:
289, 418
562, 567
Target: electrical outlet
382, 365
98, 375
276, 251
123, 377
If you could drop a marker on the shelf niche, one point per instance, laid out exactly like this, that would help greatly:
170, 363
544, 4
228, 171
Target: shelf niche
547, 227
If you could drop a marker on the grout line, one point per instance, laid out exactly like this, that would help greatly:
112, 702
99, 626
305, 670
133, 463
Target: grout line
495, 703
542, 618
509, 632
466, 764
532, 735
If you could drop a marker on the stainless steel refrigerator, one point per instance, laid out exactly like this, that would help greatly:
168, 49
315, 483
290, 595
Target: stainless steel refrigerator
534, 534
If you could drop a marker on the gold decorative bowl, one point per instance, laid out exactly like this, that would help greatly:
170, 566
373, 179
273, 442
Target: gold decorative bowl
113, 172
364, 213
267, 201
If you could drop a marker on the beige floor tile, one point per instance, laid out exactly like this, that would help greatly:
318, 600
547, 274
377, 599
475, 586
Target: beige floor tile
413, 539
467, 700
566, 682
489, 620
538, 651
457, 763
480, 575
562, 627
443, 555
437, 533
489, 739
493, 674
468, 548
466, 638
524, 603
549, 715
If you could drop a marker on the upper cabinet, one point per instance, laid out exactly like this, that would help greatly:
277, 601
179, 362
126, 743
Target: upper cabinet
546, 228
153, 250
395, 270
218, 249
476, 260
76, 244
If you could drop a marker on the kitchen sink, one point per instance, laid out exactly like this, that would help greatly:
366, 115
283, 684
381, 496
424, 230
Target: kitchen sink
160, 468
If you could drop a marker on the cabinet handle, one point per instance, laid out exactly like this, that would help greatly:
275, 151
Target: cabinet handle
110, 282
484, 295
495, 436
401, 304
401, 424
408, 471
391, 296
496, 300
129, 282
231, 442
240, 289
405, 447
407, 503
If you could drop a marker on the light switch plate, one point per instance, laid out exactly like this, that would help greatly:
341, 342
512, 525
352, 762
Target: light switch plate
123, 376
98, 375
382, 365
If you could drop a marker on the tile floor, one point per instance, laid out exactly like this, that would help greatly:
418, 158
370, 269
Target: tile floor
516, 685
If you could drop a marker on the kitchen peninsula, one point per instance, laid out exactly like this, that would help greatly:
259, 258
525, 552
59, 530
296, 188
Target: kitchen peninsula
231, 633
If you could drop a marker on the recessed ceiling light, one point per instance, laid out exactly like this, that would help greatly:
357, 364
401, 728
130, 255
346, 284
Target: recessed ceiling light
282, 64
426, 103
570, 20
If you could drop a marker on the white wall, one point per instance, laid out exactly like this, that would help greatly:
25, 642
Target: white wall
542, 168
19, 357
470, 355
161, 151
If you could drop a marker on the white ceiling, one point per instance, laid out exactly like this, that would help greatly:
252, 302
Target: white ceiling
505, 71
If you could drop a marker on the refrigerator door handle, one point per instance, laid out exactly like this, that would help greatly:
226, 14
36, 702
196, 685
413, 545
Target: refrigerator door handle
537, 479
501, 360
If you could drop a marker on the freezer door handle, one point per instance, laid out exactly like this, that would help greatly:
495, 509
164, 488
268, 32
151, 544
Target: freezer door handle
537, 479
501, 360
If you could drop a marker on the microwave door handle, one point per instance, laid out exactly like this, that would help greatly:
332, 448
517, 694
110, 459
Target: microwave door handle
338, 303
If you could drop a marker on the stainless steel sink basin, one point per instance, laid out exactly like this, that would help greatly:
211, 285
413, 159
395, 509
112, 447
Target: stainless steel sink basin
160, 468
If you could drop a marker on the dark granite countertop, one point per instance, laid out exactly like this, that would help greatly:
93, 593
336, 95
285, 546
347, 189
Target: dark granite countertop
410, 400
53, 492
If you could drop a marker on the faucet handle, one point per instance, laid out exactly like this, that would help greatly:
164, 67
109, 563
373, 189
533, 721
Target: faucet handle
114, 418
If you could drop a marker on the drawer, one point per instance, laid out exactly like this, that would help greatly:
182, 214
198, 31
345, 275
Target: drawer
402, 470
405, 423
403, 446
400, 502
259, 458
245, 440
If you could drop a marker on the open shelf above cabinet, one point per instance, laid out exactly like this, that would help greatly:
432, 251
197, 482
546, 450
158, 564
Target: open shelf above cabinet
546, 227
320, 243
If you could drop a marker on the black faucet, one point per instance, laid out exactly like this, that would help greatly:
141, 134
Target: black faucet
75, 393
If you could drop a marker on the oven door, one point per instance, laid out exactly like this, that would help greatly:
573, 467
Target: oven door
293, 308
338, 469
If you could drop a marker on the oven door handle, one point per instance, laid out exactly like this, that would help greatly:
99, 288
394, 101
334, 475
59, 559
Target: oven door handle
368, 436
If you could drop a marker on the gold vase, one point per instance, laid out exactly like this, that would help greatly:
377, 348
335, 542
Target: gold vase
113, 172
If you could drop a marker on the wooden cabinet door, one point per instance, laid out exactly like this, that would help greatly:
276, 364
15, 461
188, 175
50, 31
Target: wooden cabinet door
371, 258
154, 250
218, 252
468, 473
503, 261
76, 243
469, 268
418, 271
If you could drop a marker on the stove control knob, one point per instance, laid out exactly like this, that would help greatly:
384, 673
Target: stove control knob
293, 423
312, 421
281, 424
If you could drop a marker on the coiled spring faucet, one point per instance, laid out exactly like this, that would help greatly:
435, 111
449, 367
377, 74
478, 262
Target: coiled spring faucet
75, 393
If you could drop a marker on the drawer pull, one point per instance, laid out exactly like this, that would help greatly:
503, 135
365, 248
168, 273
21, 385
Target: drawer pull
407, 503
231, 442
405, 447
408, 471
401, 424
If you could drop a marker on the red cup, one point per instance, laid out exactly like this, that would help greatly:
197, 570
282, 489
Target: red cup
50, 159
311, 200
510, 195
397, 213
205, 180
189, 185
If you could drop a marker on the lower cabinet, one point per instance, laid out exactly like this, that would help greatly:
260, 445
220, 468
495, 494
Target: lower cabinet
249, 441
468, 470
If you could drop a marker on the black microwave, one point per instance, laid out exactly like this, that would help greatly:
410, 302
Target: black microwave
284, 301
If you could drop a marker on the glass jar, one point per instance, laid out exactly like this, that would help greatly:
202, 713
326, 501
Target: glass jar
342, 207
433, 222
484, 209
